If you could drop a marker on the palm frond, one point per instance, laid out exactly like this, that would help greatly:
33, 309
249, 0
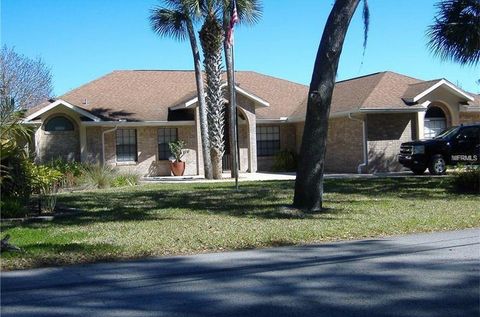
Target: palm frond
169, 23
455, 34
249, 11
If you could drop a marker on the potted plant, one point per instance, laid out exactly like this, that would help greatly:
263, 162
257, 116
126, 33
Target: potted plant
177, 166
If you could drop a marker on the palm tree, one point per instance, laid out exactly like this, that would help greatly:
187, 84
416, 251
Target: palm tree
211, 37
455, 35
176, 21
249, 12
309, 181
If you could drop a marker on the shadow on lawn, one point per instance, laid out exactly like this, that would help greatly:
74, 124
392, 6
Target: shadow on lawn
266, 200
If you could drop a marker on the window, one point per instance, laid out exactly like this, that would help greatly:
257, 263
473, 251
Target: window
165, 135
268, 141
471, 134
59, 123
126, 145
435, 122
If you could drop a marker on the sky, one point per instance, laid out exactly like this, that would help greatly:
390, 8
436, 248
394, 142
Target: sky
81, 40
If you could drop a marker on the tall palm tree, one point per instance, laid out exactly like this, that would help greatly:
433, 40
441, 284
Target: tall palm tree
309, 181
211, 37
249, 12
176, 21
455, 35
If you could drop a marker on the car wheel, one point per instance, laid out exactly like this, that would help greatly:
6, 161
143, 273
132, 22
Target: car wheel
418, 170
437, 165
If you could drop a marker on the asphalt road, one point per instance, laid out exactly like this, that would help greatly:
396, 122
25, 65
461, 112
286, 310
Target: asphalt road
434, 274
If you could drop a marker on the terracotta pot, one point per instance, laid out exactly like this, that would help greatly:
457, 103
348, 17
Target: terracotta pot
177, 168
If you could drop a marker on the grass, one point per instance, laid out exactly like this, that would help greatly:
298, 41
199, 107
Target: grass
167, 219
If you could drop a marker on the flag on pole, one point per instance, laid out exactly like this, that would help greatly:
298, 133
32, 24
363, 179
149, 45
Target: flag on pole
233, 19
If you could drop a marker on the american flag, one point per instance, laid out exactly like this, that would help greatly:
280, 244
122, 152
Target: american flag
233, 19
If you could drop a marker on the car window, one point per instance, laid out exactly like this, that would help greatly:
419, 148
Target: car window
470, 133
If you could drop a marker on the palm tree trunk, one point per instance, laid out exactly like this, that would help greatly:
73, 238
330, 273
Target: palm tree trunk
309, 181
211, 38
202, 106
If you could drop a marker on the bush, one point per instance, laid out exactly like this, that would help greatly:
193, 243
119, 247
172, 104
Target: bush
285, 161
71, 170
467, 180
125, 179
12, 207
45, 182
97, 176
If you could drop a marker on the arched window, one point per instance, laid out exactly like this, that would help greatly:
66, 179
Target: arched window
59, 123
435, 122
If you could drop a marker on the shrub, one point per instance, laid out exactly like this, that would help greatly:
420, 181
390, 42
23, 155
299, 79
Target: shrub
45, 182
97, 176
71, 170
178, 149
467, 180
12, 207
285, 161
125, 179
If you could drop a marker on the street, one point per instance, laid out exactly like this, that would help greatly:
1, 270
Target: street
435, 274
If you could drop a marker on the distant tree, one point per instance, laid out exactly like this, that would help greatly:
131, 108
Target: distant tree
26, 81
175, 20
309, 181
455, 34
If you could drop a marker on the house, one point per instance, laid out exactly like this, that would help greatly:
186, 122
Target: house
127, 118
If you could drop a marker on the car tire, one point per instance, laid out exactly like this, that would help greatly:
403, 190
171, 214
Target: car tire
437, 165
418, 170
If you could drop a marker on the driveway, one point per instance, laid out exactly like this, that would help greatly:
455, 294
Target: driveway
433, 274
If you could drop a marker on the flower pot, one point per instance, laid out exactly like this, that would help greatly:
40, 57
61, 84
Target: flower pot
177, 168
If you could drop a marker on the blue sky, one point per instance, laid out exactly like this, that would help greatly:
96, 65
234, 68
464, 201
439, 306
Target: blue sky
84, 39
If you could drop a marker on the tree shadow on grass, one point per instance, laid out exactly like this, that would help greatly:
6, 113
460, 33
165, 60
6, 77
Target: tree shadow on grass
262, 200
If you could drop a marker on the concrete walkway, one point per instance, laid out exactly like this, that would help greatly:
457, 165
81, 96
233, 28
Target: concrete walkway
426, 275
263, 176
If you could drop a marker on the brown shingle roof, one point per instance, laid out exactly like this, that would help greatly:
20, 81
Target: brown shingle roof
146, 95
382, 90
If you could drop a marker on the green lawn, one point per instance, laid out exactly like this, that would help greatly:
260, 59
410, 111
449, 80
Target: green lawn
165, 219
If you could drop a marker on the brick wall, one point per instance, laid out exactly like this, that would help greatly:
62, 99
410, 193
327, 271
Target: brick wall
385, 134
469, 117
57, 144
344, 145
287, 142
147, 151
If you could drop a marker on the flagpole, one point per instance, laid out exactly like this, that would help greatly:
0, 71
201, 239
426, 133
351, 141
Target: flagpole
233, 121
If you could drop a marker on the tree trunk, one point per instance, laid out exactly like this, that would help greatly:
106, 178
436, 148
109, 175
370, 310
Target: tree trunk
309, 181
202, 106
211, 38
232, 111
217, 163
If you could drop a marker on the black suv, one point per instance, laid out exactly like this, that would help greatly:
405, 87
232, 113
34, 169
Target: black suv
455, 145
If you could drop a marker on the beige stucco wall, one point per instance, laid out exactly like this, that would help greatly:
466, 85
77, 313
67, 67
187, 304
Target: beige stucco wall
385, 134
446, 100
147, 151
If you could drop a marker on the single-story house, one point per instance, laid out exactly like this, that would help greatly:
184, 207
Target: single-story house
127, 118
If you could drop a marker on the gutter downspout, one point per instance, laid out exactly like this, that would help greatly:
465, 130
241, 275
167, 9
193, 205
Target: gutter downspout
103, 142
365, 144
